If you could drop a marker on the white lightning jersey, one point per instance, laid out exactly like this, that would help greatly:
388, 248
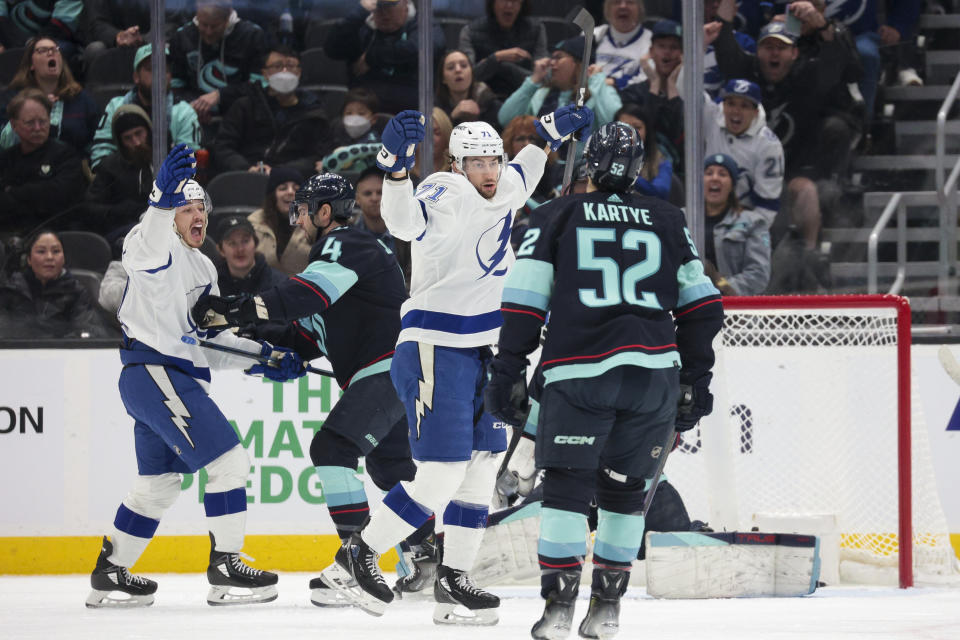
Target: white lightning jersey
619, 54
165, 279
460, 250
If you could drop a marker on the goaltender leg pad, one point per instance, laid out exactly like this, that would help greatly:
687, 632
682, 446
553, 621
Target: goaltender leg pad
175, 407
731, 565
508, 553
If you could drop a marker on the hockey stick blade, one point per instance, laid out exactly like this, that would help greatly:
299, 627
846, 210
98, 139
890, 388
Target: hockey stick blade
582, 18
213, 346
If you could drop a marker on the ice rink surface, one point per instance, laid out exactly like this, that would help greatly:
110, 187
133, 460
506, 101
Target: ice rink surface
53, 607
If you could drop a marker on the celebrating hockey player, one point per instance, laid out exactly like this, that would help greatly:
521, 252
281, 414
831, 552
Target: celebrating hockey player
609, 267
348, 302
458, 224
164, 385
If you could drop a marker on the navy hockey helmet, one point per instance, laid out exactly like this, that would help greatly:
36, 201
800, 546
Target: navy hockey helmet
321, 189
614, 156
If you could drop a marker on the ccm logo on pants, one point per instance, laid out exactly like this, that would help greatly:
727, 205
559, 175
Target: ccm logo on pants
573, 440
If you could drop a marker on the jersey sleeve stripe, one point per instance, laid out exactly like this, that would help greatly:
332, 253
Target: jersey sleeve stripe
166, 266
333, 278
529, 313
767, 203
693, 283
702, 304
423, 208
310, 286
520, 171
530, 284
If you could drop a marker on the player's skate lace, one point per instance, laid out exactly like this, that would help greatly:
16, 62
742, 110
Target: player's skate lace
130, 578
373, 570
241, 567
466, 584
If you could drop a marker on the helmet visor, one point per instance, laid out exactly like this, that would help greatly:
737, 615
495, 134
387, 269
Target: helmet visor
298, 208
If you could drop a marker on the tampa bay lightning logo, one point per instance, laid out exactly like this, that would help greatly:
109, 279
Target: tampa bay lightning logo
204, 291
490, 251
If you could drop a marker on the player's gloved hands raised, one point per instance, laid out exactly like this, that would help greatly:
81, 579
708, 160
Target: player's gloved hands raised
558, 126
215, 312
695, 402
505, 396
177, 168
283, 364
400, 138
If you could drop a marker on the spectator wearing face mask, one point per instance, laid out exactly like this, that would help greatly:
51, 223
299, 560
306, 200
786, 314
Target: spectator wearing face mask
272, 125
355, 136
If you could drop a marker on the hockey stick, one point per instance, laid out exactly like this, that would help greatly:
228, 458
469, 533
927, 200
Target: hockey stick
206, 344
514, 441
655, 482
584, 20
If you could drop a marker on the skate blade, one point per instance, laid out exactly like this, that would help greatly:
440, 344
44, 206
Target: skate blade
447, 613
340, 580
330, 598
105, 600
221, 595
424, 595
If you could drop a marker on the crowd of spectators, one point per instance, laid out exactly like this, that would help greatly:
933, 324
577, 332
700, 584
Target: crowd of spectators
288, 88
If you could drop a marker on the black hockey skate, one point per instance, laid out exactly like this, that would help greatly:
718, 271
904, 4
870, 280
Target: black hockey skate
454, 587
417, 567
228, 571
356, 575
603, 616
109, 579
323, 595
557, 616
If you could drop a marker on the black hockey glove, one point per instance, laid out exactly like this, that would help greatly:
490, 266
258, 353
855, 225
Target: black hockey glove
695, 402
505, 396
217, 312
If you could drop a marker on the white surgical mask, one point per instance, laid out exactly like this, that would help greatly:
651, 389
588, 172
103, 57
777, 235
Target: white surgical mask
283, 81
356, 125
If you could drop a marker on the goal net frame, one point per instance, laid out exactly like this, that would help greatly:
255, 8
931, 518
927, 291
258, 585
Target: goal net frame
758, 312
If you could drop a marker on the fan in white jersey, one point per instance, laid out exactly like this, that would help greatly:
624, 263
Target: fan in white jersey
163, 385
458, 224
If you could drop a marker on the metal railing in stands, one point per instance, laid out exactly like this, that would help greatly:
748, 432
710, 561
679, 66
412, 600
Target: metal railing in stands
947, 197
895, 204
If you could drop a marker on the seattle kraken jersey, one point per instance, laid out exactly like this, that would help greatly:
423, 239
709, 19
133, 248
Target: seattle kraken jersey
610, 269
347, 301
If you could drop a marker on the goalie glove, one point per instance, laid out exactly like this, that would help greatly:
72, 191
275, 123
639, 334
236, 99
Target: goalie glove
558, 126
220, 312
178, 167
400, 138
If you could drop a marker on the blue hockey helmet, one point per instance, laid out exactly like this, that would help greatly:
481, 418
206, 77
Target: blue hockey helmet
321, 189
614, 156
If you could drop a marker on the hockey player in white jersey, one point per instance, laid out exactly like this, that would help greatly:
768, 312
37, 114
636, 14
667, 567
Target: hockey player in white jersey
458, 224
164, 387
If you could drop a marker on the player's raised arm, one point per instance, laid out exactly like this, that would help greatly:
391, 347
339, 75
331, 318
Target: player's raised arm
404, 215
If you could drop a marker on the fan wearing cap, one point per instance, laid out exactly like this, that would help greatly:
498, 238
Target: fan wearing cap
553, 82
737, 240
737, 127
164, 386
184, 128
124, 178
243, 269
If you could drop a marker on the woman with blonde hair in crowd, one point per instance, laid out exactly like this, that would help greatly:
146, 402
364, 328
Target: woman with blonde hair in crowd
74, 116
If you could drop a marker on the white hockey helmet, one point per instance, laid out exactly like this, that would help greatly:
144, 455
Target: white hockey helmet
193, 191
470, 139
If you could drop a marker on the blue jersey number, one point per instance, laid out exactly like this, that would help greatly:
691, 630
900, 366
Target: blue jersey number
433, 197
616, 288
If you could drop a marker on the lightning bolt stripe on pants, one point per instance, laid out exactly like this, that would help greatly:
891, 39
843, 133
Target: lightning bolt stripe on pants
178, 410
424, 399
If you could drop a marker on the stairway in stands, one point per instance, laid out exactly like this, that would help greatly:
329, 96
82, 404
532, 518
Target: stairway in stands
901, 158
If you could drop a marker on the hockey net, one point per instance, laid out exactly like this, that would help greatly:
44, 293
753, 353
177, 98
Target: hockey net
813, 418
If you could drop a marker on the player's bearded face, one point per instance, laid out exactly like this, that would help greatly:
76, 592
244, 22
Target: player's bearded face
483, 172
190, 221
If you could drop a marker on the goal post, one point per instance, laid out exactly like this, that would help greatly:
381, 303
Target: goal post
812, 417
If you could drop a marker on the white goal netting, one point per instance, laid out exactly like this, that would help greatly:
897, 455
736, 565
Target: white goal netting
805, 423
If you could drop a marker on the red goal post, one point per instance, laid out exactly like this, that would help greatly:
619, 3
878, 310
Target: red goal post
803, 423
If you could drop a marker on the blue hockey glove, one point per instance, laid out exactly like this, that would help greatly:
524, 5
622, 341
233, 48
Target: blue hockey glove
556, 127
505, 396
215, 312
284, 364
694, 403
179, 166
400, 138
